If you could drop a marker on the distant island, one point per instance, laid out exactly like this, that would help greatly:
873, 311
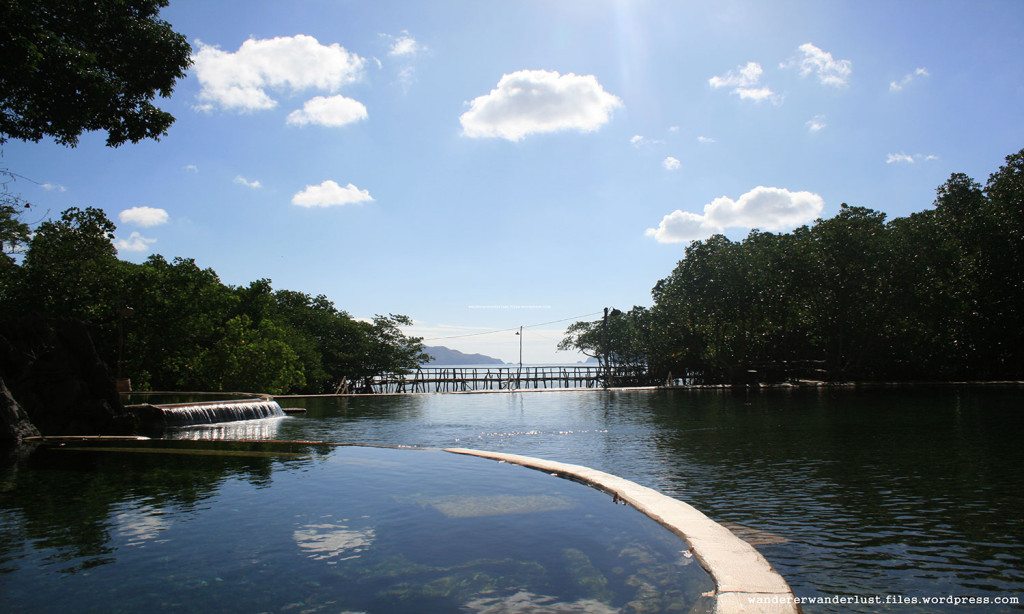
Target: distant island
441, 355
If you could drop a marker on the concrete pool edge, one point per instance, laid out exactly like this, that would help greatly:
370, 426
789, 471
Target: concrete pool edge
741, 575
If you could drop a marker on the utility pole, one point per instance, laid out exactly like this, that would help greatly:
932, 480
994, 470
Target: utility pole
520, 333
607, 367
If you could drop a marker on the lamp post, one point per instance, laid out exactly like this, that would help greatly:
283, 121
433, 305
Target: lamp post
520, 335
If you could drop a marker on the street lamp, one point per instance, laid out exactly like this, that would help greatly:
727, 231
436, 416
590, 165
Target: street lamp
520, 335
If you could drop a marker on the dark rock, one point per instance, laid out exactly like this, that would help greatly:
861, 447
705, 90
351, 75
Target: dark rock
14, 422
54, 372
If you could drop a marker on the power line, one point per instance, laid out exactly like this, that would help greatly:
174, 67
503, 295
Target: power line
507, 330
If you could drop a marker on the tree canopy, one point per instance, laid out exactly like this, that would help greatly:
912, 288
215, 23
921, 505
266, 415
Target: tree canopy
934, 295
184, 329
71, 66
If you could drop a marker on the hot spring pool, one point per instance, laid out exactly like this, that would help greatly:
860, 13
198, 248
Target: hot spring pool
218, 526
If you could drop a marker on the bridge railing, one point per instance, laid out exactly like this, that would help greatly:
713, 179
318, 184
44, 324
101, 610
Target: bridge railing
467, 379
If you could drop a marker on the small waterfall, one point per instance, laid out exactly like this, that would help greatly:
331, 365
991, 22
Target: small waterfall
219, 411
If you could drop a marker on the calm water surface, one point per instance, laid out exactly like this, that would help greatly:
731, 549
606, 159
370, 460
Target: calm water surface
908, 492
214, 527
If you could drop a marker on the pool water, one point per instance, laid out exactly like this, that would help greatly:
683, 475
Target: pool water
217, 526
904, 492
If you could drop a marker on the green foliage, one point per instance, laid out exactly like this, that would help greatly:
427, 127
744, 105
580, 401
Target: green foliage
70, 266
624, 338
185, 329
71, 66
935, 295
248, 357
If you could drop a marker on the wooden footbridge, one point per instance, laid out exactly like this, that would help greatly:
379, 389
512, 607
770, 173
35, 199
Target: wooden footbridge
469, 379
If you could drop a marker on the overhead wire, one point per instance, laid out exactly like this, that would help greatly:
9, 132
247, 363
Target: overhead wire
515, 328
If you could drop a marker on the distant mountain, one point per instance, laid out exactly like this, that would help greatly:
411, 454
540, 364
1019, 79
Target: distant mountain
447, 356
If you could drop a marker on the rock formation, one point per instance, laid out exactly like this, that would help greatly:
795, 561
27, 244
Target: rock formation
52, 373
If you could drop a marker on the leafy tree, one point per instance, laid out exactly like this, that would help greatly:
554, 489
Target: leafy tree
253, 359
623, 338
14, 233
849, 303
936, 294
72, 66
71, 267
385, 348
178, 311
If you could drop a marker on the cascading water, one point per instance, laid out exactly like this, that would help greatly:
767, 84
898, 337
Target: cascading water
214, 412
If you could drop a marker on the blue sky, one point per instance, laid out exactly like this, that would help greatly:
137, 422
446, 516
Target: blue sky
534, 161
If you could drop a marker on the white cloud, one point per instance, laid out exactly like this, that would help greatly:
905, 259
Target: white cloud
404, 45
252, 185
144, 216
404, 49
830, 71
673, 128
902, 158
190, 168
705, 140
742, 76
899, 158
53, 187
639, 141
330, 194
895, 86
671, 164
240, 80
767, 208
330, 111
134, 243
745, 83
816, 123
680, 226
756, 93
539, 101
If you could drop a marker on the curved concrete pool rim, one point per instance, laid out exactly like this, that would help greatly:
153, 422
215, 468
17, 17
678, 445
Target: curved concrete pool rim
740, 573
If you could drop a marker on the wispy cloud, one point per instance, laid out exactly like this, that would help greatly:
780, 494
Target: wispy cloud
251, 184
896, 86
829, 70
705, 140
404, 45
671, 164
638, 140
190, 168
816, 123
745, 82
53, 187
902, 158
134, 243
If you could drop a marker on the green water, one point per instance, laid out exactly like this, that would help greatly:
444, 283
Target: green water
178, 526
908, 493
886, 492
